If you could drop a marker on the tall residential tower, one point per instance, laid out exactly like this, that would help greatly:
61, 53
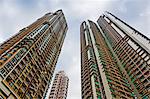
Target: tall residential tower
115, 60
28, 59
60, 86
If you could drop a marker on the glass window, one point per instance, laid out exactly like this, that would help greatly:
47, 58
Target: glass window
14, 60
2, 71
3, 58
18, 82
8, 66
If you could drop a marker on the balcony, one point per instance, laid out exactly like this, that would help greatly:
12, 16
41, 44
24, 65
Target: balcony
18, 82
14, 75
27, 81
18, 70
22, 77
3, 72
20, 93
23, 88
2, 60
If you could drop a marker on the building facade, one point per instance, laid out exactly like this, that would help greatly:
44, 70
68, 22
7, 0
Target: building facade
28, 59
115, 60
60, 86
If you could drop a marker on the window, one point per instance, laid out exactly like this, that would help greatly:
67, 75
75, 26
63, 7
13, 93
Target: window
29, 67
3, 58
14, 60
1, 97
22, 77
8, 66
88, 52
3, 72
133, 45
141, 52
84, 25
57, 27
107, 19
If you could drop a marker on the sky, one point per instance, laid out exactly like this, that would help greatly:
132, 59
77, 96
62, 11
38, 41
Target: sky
17, 14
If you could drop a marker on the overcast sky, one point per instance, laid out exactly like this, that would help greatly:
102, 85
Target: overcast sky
17, 14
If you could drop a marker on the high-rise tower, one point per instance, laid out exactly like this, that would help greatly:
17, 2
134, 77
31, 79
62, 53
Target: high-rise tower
60, 86
28, 59
115, 60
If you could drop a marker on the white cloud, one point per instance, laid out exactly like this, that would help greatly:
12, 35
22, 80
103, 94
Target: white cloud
14, 16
